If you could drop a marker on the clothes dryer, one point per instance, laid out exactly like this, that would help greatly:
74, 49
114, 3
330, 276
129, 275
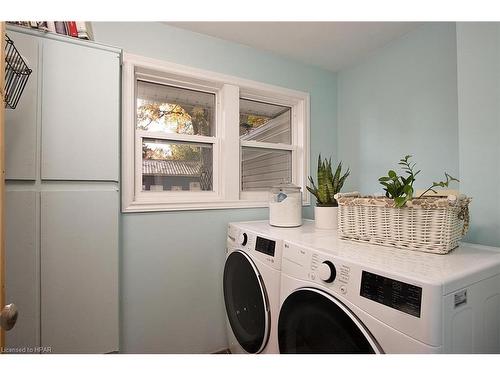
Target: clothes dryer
342, 297
251, 282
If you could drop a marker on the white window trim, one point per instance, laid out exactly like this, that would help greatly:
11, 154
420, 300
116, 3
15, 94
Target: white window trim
227, 171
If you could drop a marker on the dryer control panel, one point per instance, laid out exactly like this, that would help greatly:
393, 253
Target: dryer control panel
265, 246
262, 248
393, 293
329, 271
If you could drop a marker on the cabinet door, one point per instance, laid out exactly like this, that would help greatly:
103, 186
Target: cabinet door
20, 123
79, 271
80, 112
21, 266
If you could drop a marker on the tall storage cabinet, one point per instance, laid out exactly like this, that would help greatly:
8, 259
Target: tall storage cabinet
80, 105
63, 196
79, 261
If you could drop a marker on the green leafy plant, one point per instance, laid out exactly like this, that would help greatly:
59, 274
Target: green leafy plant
440, 184
400, 188
329, 183
397, 187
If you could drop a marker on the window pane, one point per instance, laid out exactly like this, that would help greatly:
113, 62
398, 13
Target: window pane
174, 110
168, 165
264, 122
262, 168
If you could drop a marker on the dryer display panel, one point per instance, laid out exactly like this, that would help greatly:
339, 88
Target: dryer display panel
266, 246
396, 294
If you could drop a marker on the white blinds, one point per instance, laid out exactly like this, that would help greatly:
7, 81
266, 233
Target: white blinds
170, 94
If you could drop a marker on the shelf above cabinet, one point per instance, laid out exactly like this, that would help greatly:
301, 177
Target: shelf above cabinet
63, 38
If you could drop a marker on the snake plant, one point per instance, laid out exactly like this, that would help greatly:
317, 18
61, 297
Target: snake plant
329, 183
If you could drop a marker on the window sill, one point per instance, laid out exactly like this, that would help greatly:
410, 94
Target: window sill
192, 206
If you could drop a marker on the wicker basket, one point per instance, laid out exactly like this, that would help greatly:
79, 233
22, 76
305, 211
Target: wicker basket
429, 224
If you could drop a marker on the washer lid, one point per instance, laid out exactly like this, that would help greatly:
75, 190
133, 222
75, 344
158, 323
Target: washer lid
312, 321
247, 305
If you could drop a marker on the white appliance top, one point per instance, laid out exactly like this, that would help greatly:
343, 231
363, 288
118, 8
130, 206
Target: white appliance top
306, 232
466, 264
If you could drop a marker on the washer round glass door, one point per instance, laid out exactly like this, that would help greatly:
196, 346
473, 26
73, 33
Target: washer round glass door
246, 302
312, 321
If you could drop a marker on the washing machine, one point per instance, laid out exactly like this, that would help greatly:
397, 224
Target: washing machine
251, 282
342, 297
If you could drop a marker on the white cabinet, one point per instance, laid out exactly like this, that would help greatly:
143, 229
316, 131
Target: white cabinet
63, 211
80, 112
79, 271
22, 260
21, 129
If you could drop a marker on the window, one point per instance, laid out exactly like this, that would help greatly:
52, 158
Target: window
266, 145
195, 139
163, 114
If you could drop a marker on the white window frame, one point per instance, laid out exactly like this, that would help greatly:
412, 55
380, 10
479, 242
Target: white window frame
226, 171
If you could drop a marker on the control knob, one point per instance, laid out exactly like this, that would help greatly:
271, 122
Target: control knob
243, 239
327, 271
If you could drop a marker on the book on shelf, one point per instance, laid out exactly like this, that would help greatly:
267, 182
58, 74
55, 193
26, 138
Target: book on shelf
51, 26
71, 28
61, 27
19, 23
84, 30
76, 29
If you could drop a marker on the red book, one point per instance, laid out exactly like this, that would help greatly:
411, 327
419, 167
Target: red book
72, 30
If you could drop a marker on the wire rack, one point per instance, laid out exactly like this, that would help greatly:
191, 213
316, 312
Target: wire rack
17, 73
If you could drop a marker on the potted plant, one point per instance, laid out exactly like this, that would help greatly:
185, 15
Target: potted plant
400, 188
329, 184
432, 221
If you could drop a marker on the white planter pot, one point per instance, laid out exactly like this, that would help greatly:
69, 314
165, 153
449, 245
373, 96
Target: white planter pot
326, 217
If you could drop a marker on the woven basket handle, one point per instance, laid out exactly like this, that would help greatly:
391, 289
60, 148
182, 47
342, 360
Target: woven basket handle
463, 214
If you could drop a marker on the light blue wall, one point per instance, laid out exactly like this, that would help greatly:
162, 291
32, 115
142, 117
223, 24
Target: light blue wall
478, 64
171, 300
401, 100
433, 93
